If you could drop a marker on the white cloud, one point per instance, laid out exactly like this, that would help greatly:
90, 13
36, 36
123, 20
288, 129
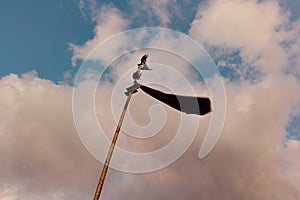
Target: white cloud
257, 29
109, 22
153, 13
237, 23
292, 164
40, 152
88, 9
7, 192
41, 155
45, 159
247, 162
163, 10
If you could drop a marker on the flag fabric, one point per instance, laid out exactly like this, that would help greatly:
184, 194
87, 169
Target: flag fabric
187, 104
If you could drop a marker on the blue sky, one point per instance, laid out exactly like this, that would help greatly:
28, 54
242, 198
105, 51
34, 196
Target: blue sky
263, 102
35, 33
293, 6
35, 36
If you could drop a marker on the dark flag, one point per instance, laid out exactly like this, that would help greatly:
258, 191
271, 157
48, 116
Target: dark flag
187, 104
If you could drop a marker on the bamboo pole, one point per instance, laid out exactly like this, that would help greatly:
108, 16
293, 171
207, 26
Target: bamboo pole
110, 152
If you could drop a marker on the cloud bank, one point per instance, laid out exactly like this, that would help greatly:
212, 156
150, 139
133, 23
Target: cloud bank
40, 153
42, 157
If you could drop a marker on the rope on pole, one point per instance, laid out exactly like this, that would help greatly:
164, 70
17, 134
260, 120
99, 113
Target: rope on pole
111, 149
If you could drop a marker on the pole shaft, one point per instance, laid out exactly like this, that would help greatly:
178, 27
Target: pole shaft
110, 152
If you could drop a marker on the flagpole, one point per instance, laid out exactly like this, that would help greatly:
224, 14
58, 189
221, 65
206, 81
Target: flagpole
111, 149
129, 91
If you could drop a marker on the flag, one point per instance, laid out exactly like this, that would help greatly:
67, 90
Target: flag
187, 104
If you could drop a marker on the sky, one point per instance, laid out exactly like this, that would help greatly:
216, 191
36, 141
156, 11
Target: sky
255, 46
